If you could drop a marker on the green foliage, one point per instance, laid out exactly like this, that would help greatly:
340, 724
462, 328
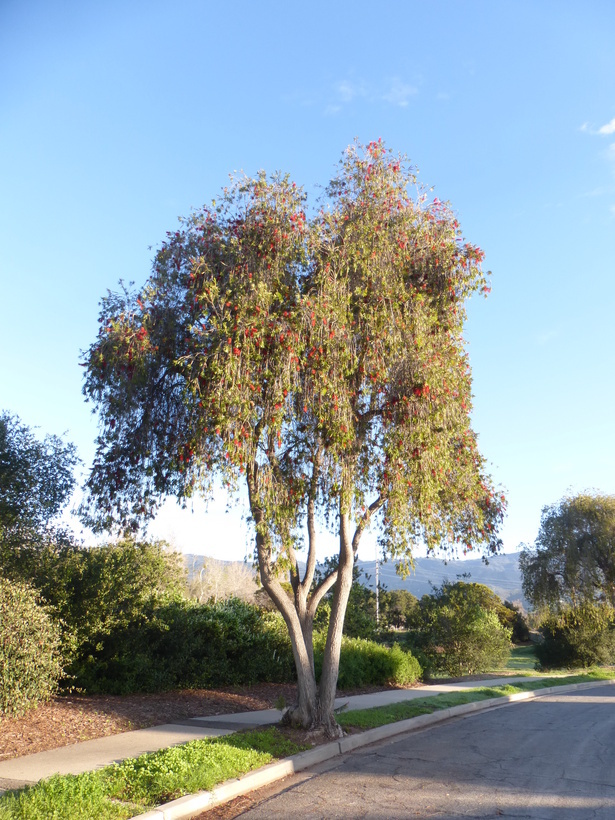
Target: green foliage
165, 775
69, 797
30, 660
244, 330
456, 630
360, 618
367, 663
100, 592
512, 617
36, 481
396, 606
578, 636
123, 790
573, 557
188, 645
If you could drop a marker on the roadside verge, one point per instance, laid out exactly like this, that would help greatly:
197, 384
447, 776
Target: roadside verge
190, 805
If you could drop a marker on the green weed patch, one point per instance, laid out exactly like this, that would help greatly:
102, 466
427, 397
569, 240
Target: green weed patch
122, 790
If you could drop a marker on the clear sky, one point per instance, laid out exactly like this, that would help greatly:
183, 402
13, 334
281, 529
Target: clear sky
118, 117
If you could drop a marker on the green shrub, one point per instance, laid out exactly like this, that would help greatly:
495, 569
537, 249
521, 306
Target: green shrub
189, 645
101, 592
453, 633
367, 663
578, 636
30, 661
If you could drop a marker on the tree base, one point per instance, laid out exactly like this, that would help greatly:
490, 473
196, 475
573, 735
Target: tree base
316, 727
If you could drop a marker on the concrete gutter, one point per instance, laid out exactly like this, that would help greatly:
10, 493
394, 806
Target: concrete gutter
186, 807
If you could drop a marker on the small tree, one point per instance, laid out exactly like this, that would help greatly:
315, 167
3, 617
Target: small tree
458, 631
573, 558
318, 359
396, 606
36, 481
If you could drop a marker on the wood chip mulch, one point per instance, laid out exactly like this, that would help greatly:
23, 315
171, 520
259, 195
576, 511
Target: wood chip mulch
74, 718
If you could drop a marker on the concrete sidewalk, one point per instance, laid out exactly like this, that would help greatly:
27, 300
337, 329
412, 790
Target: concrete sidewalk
94, 754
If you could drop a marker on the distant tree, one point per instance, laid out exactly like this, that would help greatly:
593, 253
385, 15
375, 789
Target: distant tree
319, 359
573, 559
396, 605
36, 480
574, 636
360, 618
514, 617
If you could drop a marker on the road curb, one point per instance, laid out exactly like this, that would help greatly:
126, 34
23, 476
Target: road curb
186, 807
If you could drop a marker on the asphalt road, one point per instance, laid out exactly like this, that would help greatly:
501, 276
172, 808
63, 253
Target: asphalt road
547, 759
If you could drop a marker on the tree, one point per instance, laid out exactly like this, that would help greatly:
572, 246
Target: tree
457, 629
396, 605
36, 480
582, 635
321, 361
360, 615
573, 558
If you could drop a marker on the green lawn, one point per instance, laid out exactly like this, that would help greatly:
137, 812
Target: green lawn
522, 659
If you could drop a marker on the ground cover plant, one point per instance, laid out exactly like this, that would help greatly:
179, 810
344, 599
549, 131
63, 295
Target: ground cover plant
122, 790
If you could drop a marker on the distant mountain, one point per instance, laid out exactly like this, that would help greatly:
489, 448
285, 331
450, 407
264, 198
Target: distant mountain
501, 574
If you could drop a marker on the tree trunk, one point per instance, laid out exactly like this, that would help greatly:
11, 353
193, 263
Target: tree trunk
331, 660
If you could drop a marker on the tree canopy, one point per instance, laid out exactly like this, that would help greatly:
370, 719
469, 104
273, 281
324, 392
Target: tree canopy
36, 479
572, 560
320, 359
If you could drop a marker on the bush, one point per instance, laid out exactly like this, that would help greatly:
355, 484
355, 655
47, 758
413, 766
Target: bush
189, 645
30, 661
453, 634
578, 636
98, 592
366, 663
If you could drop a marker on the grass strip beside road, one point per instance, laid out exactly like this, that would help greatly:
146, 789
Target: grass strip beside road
381, 715
135, 785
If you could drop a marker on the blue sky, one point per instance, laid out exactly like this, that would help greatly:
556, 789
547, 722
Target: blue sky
118, 117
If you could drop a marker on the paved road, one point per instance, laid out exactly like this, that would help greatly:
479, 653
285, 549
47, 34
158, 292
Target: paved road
548, 759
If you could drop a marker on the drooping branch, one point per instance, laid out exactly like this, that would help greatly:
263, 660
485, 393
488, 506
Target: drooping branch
365, 520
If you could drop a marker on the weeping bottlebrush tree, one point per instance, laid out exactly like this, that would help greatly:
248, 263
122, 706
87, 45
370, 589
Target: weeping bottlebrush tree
320, 360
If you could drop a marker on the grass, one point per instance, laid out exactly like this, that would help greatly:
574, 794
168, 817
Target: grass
522, 659
122, 790
381, 715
